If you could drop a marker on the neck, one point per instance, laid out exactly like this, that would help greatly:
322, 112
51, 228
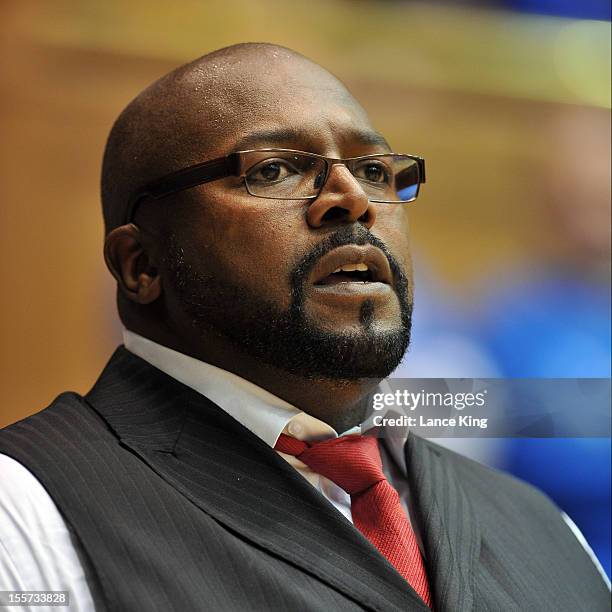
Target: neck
341, 403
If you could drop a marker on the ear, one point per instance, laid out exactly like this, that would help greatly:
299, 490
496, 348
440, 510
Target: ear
131, 265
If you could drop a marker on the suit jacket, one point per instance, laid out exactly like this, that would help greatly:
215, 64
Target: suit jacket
179, 507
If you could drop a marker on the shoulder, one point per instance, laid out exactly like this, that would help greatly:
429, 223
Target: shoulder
492, 487
56, 445
68, 415
531, 528
26, 508
505, 506
65, 402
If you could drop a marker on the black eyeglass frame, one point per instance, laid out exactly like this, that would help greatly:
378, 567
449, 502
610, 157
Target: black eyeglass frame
232, 165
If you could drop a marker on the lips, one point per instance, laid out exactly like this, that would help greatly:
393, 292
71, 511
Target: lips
352, 264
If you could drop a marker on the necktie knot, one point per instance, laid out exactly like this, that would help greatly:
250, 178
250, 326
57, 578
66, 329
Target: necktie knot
353, 462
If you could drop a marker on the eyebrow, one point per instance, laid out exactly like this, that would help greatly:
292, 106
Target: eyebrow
286, 136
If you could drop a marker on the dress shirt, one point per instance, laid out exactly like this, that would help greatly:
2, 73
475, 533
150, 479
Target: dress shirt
266, 415
37, 549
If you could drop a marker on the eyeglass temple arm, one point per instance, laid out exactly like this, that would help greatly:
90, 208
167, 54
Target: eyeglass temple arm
421, 163
185, 179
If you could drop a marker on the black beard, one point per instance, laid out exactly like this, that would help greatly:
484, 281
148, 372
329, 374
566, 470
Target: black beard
288, 340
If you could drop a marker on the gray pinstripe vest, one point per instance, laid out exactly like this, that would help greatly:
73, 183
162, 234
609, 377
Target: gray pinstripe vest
178, 507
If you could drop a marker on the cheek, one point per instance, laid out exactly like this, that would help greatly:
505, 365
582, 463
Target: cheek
251, 244
392, 228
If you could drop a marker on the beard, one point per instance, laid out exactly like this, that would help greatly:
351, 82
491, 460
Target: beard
288, 340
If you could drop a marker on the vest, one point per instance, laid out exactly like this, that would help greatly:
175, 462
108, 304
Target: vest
177, 506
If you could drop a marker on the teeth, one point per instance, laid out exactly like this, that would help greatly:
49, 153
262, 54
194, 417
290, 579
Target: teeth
360, 267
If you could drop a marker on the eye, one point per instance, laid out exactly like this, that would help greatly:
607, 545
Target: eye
271, 171
373, 172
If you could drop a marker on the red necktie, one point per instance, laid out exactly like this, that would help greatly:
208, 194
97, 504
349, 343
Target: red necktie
353, 462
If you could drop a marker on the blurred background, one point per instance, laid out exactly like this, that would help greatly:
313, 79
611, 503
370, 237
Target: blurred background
508, 101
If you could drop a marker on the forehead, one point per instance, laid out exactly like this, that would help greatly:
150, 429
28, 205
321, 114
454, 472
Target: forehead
288, 104
318, 127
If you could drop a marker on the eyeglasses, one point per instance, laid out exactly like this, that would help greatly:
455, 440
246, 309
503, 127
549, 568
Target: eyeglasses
284, 174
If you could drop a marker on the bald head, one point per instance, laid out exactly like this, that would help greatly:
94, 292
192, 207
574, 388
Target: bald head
193, 113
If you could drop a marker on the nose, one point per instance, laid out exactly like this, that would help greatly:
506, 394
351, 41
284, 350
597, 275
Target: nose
341, 199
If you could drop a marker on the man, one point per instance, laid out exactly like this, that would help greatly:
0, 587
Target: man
264, 293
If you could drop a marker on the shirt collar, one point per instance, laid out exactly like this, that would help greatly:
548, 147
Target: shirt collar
260, 411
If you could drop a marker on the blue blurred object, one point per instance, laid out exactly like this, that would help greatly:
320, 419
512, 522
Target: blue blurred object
443, 343
557, 326
550, 327
578, 9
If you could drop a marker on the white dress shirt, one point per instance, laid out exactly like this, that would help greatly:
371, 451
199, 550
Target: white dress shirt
37, 549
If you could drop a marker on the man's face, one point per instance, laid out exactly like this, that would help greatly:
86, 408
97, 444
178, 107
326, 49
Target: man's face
259, 272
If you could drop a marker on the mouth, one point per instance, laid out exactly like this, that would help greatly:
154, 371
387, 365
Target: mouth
353, 266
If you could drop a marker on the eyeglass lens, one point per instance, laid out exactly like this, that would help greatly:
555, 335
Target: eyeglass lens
285, 175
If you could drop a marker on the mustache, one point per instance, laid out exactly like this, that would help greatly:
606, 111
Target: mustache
345, 235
